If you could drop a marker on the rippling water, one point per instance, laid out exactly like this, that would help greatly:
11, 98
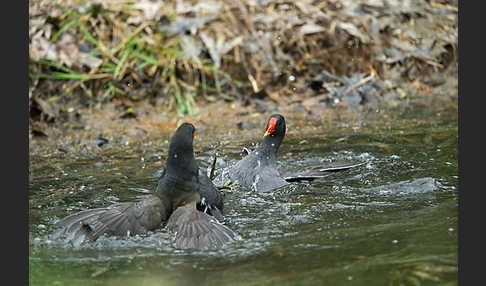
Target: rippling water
390, 221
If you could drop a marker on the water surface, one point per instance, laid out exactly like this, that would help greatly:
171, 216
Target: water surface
391, 221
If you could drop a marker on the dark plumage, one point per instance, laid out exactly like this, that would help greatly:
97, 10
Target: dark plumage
176, 203
258, 170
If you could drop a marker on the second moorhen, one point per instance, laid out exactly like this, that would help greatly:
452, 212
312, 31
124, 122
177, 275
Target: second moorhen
258, 170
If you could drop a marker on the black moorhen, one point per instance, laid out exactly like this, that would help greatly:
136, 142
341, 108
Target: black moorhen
176, 203
258, 170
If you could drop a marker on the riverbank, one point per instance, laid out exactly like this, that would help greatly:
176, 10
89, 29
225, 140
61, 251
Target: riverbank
122, 68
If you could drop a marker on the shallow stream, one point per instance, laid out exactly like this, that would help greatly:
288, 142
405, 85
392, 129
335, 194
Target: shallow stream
390, 221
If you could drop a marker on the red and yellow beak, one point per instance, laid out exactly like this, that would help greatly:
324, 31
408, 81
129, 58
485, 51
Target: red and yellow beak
271, 126
194, 136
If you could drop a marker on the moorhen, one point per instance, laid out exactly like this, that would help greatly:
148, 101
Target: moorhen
258, 170
182, 195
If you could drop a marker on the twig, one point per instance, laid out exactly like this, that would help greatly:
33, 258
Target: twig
213, 167
433, 63
358, 84
69, 89
127, 39
445, 7
253, 83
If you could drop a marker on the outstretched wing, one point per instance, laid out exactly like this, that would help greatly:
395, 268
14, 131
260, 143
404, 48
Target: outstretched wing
197, 230
118, 219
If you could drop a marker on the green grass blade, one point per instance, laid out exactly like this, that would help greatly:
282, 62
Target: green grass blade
63, 29
108, 68
110, 91
141, 66
87, 35
60, 75
56, 75
189, 102
56, 65
149, 59
227, 76
120, 63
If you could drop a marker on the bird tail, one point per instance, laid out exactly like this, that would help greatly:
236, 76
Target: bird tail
197, 230
321, 171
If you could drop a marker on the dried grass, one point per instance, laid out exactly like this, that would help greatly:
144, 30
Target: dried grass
184, 51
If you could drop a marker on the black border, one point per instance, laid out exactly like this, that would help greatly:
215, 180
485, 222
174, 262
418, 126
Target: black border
14, 23
471, 221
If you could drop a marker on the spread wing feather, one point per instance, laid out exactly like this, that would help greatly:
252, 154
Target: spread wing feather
118, 219
197, 230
